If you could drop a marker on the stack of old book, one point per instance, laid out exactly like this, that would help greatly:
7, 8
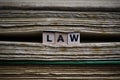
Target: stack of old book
59, 39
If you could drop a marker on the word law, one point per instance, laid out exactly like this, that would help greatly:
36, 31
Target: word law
61, 38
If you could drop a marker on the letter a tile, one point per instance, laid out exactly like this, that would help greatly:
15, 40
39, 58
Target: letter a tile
60, 38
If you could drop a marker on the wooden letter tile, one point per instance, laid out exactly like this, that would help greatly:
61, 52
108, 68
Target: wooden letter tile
48, 38
73, 38
60, 38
